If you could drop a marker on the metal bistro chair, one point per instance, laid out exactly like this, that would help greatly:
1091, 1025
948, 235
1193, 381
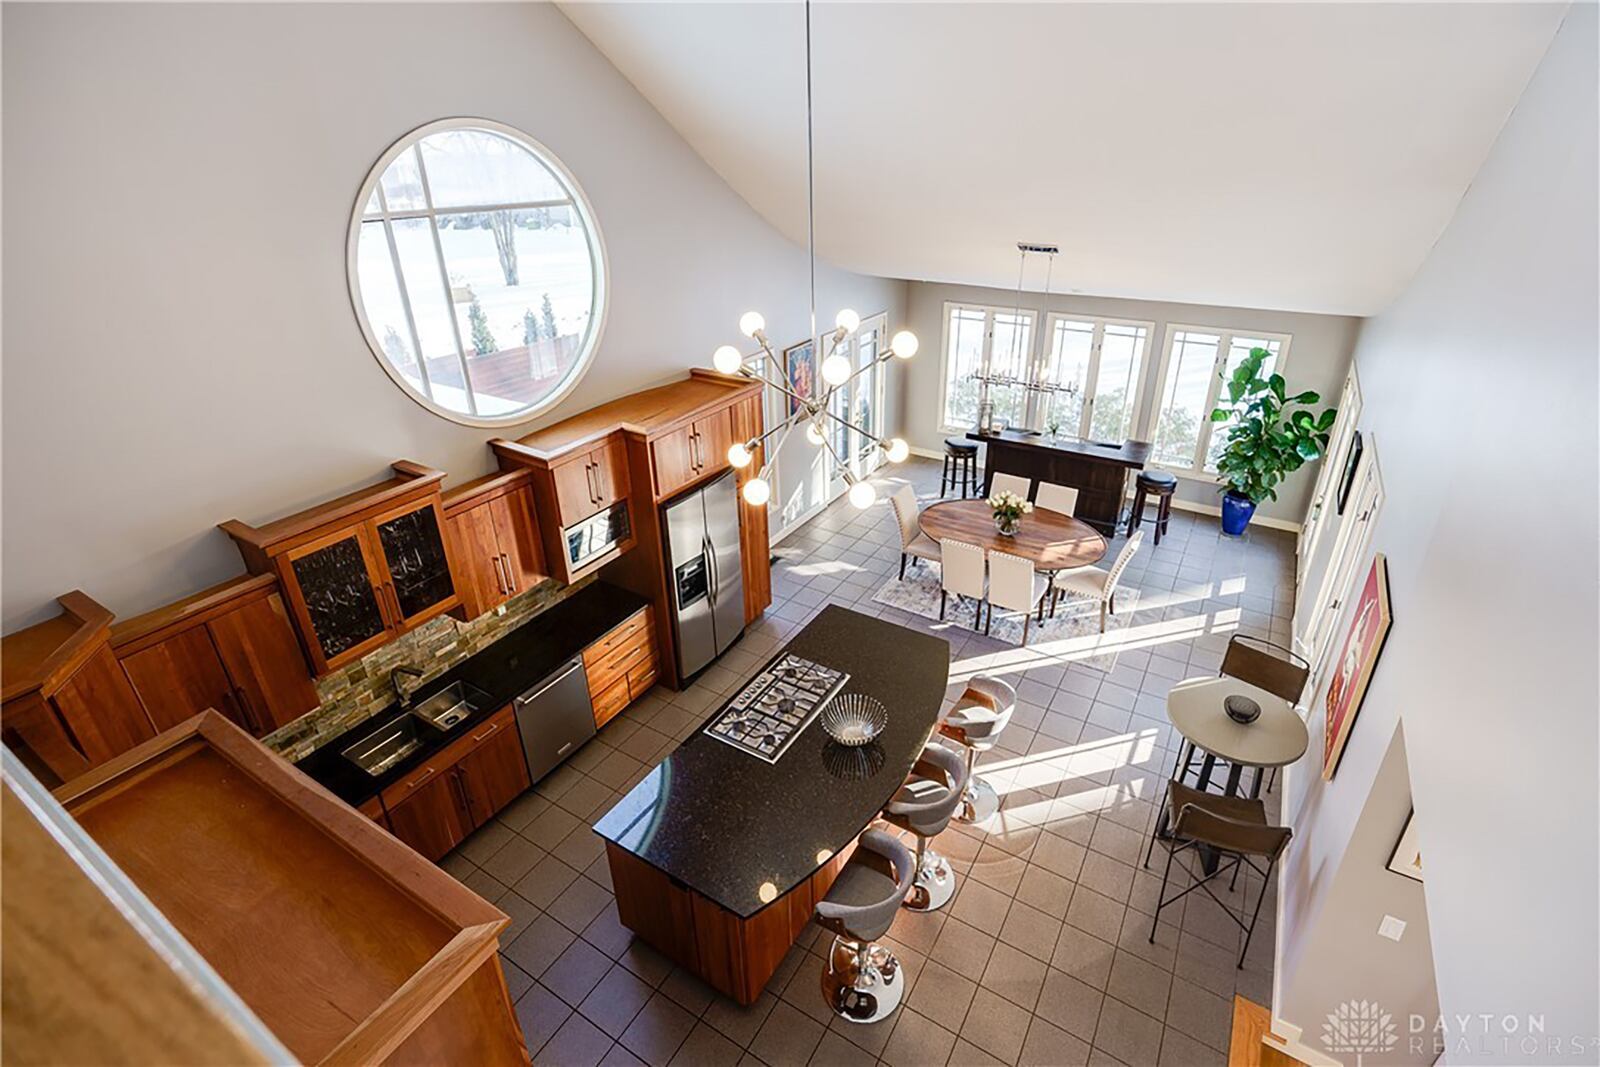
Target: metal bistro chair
924, 806
1280, 671
863, 982
1236, 828
976, 723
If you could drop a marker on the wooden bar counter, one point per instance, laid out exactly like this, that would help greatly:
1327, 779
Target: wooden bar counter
1095, 469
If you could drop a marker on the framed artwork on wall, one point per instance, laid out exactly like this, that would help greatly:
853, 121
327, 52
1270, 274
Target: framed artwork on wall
1351, 464
1406, 858
1363, 642
800, 369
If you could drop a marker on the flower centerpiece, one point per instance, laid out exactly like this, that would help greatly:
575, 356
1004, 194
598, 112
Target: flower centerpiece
1008, 509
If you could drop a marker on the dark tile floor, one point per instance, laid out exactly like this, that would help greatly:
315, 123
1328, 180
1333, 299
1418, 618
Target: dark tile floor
1043, 957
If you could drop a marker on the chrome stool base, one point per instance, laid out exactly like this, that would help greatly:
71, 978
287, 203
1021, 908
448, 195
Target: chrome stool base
862, 983
935, 884
980, 802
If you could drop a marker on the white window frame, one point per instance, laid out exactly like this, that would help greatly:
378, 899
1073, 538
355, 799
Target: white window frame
1092, 372
577, 201
1225, 335
989, 312
850, 348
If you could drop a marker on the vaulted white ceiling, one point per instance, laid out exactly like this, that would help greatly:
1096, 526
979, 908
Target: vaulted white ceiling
1281, 155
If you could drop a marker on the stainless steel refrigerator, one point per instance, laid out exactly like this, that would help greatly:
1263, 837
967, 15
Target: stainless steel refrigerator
705, 572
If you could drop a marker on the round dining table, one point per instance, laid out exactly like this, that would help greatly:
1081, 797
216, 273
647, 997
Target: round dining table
1053, 541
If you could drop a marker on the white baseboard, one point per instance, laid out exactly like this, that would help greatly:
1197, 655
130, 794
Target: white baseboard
1258, 520
926, 453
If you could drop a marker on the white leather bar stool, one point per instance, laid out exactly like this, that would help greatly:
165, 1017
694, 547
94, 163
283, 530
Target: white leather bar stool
976, 723
924, 806
863, 981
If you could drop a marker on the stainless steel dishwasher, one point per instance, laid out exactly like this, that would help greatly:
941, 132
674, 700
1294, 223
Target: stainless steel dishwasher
554, 718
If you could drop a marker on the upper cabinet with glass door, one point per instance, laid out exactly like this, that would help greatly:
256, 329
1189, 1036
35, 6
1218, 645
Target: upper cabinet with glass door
477, 272
358, 571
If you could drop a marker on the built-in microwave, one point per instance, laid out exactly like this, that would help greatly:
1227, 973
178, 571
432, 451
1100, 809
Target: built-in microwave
598, 534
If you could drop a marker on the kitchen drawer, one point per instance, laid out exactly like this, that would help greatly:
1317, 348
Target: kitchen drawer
620, 662
611, 701
642, 676
632, 625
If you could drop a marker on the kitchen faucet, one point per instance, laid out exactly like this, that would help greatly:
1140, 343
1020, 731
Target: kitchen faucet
399, 690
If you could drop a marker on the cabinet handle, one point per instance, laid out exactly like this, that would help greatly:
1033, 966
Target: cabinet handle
394, 598
461, 792
478, 738
694, 447
499, 579
246, 712
511, 583
594, 493
421, 779
599, 484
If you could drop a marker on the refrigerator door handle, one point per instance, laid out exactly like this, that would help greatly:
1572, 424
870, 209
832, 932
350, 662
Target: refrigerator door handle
711, 569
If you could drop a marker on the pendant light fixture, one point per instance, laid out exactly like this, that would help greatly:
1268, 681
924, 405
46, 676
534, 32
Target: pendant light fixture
814, 413
1031, 379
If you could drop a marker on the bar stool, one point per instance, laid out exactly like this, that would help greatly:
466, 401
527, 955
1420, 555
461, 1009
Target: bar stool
1157, 484
960, 465
863, 982
976, 722
924, 806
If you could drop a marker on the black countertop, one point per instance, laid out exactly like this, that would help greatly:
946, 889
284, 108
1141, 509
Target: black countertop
506, 669
725, 823
1129, 454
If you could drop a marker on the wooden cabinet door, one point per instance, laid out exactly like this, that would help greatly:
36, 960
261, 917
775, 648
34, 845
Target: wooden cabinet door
433, 819
713, 435
673, 458
577, 492
611, 471
521, 556
495, 772
181, 677
101, 710
473, 534
271, 682
332, 586
418, 581
755, 549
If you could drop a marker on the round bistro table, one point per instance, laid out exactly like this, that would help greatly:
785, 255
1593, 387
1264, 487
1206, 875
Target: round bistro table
1055, 542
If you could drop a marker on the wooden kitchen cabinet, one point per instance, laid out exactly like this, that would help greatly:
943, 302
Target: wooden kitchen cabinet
684, 455
496, 539
65, 704
590, 481
435, 807
754, 543
345, 945
230, 647
361, 570
621, 666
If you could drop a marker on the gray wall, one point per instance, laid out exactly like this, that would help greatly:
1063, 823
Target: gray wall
1480, 386
179, 343
1319, 356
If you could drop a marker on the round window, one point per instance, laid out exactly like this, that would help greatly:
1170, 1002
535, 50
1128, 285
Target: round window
477, 272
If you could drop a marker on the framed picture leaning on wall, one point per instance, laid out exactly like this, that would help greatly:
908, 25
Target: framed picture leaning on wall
1352, 671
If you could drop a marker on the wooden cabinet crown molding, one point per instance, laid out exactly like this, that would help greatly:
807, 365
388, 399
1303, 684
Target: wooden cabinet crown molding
41, 657
142, 631
409, 481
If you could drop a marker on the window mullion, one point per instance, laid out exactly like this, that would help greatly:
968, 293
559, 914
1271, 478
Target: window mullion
444, 279
1213, 393
405, 294
1091, 380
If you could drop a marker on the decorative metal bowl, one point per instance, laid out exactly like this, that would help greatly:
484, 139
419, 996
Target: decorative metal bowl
854, 719
1241, 709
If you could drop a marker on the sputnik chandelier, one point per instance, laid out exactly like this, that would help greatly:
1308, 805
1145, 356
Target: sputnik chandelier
812, 412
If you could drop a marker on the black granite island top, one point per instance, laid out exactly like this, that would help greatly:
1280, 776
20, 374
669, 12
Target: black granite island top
505, 670
743, 832
1127, 454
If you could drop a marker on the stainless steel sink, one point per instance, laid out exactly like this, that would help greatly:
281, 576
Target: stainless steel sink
387, 745
451, 706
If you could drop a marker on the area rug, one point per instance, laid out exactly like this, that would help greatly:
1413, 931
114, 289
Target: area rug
1073, 634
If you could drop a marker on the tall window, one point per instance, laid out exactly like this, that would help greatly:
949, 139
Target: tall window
976, 337
1102, 358
1196, 363
476, 272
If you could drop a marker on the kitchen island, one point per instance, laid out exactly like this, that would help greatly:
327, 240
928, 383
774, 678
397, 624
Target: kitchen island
718, 856
1096, 469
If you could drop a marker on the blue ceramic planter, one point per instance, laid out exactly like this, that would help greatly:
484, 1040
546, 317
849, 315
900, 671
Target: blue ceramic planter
1236, 512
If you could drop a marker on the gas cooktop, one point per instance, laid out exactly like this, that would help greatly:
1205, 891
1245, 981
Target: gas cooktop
773, 708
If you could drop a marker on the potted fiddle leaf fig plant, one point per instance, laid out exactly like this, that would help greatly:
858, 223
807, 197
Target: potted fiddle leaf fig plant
1265, 440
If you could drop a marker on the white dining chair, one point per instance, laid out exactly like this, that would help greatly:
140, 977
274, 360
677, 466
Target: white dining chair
1014, 586
1061, 499
1097, 583
962, 574
1009, 483
913, 542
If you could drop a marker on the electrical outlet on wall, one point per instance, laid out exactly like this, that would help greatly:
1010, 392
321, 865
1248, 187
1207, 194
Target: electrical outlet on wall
1391, 927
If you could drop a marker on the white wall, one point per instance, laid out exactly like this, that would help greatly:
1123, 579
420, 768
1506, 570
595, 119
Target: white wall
1481, 387
178, 339
1319, 356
